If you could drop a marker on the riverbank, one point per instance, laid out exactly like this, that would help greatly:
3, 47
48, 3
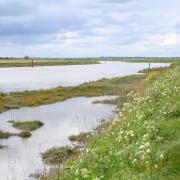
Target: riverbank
114, 86
27, 62
142, 142
23, 62
144, 60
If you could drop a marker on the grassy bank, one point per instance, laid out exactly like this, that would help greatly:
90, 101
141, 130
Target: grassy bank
142, 142
22, 62
27, 62
143, 60
116, 86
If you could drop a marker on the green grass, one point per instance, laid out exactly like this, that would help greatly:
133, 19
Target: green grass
24, 134
143, 60
26, 125
142, 142
115, 86
22, 62
5, 135
82, 137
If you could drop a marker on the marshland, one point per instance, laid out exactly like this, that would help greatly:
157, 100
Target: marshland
44, 131
89, 90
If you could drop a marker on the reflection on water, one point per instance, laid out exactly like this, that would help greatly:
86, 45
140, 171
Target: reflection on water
22, 157
27, 78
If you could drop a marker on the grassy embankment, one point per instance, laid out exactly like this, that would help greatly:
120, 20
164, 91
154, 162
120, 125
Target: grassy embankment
142, 142
22, 62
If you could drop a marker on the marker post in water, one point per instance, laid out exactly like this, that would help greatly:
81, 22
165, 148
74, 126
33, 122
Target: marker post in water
149, 64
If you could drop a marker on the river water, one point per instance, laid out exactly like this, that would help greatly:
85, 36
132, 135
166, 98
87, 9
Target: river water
22, 157
27, 78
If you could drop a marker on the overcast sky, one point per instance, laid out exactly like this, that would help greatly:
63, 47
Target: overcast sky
82, 28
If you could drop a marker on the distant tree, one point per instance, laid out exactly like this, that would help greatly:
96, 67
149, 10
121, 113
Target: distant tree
26, 57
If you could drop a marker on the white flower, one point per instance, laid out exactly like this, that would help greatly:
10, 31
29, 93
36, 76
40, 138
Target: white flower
134, 161
148, 150
84, 172
96, 178
162, 156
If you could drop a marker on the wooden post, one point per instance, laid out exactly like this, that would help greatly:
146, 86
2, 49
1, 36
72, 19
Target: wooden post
32, 63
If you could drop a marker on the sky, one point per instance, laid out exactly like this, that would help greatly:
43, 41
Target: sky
89, 28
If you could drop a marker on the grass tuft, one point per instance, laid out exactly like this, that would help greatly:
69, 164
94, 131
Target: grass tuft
82, 137
26, 125
24, 134
5, 135
58, 155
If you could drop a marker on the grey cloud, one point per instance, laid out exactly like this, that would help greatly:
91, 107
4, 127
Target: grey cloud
15, 8
103, 24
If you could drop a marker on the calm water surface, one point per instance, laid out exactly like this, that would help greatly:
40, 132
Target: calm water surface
27, 78
22, 157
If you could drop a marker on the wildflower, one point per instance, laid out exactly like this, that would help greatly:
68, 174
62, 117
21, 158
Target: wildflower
77, 172
148, 150
142, 157
96, 178
162, 156
134, 161
84, 172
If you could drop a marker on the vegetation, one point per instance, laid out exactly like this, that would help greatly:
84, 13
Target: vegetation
24, 134
142, 59
115, 86
27, 62
82, 137
26, 125
142, 142
58, 155
5, 135
1, 147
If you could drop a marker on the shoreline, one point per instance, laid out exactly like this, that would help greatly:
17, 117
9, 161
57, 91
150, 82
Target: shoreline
22, 62
114, 86
98, 145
